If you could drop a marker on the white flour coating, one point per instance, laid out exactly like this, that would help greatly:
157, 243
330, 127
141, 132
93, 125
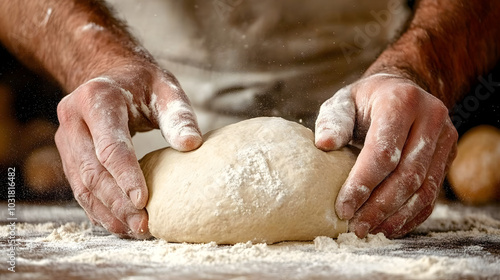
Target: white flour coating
176, 121
388, 143
364, 190
129, 97
172, 85
383, 75
45, 20
123, 137
91, 26
101, 79
146, 110
422, 144
396, 155
253, 170
130, 101
336, 118
412, 202
153, 104
120, 134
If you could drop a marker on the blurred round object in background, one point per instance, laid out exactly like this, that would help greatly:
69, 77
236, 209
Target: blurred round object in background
36, 133
475, 174
43, 171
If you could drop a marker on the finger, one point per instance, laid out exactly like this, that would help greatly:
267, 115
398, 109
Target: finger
83, 196
418, 203
408, 176
335, 122
104, 194
427, 194
104, 111
380, 155
94, 188
411, 225
175, 116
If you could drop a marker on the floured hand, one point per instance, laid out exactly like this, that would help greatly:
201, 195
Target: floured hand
97, 121
409, 143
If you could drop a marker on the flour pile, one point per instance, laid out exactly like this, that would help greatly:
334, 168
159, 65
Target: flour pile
456, 242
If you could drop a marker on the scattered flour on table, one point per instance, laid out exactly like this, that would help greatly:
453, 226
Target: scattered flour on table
69, 232
448, 222
52, 245
349, 241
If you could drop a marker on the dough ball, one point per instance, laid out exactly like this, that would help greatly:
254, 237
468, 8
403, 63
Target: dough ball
474, 175
259, 180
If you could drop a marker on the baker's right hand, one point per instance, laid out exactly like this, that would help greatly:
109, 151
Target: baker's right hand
97, 121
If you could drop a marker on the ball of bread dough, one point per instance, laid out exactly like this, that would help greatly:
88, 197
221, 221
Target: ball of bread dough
259, 180
474, 175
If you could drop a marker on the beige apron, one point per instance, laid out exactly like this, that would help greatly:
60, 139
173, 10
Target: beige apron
240, 58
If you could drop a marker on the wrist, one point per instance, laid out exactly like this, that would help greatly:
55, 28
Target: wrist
403, 59
412, 57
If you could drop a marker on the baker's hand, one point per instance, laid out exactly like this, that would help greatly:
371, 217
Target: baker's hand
94, 140
409, 143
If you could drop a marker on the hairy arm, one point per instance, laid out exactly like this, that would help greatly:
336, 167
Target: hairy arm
400, 111
447, 45
72, 41
116, 89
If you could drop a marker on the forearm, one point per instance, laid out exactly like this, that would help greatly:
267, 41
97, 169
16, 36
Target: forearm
447, 45
71, 40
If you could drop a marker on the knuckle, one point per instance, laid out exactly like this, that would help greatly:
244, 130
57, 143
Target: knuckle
59, 139
116, 207
89, 174
411, 97
386, 155
416, 174
107, 148
452, 133
83, 196
439, 110
97, 94
383, 212
64, 113
429, 191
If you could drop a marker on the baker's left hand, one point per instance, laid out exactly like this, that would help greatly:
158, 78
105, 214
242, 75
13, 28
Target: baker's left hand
409, 143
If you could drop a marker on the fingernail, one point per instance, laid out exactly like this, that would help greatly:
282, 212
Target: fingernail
361, 229
135, 197
139, 226
188, 139
346, 211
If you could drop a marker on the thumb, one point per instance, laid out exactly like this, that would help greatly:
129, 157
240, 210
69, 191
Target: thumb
174, 114
179, 126
335, 122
